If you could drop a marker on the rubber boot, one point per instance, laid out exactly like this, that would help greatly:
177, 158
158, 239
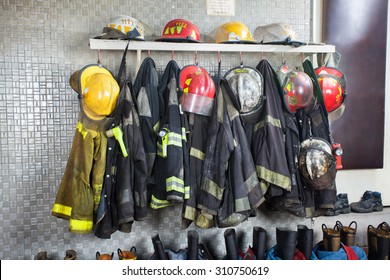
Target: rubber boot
41, 256
70, 255
259, 242
331, 238
127, 255
347, 233
231, 244
192, 239
286, 243
378, 242
305, 241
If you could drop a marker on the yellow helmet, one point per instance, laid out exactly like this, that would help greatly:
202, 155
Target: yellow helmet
233, 32
98, 91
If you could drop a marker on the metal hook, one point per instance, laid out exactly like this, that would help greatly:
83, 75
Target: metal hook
173, 55
148, 53
283, 61
303, 57
219, 57
261, 56
196, 57
98, 51
241, 60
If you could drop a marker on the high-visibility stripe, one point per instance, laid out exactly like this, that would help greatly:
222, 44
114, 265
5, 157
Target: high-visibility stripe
183, 134
62, 209
251, 182
187, 192
97, 191
80, 128
174, 184
174, 139
268, 120
212, 188
242, 204
190, 213
80, 225
273, 177
197, 153
156, 126
156, 203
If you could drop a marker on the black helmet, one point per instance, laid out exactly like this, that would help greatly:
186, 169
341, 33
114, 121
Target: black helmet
317, 164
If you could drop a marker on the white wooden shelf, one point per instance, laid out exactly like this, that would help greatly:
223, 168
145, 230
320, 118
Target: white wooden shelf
99, 44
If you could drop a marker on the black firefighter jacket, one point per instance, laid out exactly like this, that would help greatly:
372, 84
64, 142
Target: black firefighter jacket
124, 196
172, 161
230, 188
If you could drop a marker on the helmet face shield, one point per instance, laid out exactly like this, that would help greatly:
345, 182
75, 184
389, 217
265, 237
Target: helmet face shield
198, 90
247, 85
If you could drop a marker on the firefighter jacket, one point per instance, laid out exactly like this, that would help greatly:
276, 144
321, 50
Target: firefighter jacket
146, 93
315, 123
124, 198
79, 192
171, 165
230, 187
197, 141
268, 146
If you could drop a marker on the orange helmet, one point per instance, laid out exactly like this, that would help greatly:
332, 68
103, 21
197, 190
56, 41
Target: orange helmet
180, 30
333, 84
297, 89
198, 90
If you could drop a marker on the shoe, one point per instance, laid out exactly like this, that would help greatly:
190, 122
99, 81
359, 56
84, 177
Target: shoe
341, 206
370, 202
70, 255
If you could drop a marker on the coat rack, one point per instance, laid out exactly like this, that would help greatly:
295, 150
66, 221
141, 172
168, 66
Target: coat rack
139, 46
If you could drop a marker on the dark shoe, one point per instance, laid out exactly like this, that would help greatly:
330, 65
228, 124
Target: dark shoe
347, 233
370, 202
259, 242
341, 206
286, 243
41, 256
305, 241
331, 238
70, 255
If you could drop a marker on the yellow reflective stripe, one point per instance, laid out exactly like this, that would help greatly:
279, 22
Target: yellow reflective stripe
62, 209
212, 188
187, 192
156, 126
251, 182
80, 128
175, 184
242, 204
97, 191
273, 177
268, 120
156, 203
197, 153
190, 213
174, 139
79, 225
183, 134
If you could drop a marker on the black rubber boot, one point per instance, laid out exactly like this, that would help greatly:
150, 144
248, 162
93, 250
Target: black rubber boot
231, 244
192, 239
259, 242
305, 241
286, 243
378, 242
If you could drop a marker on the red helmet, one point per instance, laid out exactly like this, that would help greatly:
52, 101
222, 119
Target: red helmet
180, 30
297, 89
198, 90
333, 84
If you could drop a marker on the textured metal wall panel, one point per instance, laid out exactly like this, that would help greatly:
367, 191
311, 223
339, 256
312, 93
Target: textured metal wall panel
41, 43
